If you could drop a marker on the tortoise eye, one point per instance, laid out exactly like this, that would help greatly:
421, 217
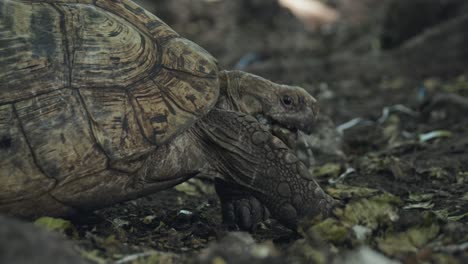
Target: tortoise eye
287, 101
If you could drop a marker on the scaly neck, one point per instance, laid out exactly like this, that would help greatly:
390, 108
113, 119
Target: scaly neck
229, 98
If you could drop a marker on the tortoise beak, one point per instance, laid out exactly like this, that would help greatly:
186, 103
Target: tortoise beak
302, 115
310, 116
303, 120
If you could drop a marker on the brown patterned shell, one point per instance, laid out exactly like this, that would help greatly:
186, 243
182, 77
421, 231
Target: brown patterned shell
88, 86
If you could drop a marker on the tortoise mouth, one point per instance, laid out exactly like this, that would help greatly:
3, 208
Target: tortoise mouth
285, 132
271, 122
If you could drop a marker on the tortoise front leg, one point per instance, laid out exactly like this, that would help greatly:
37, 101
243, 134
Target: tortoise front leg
240, 209
248, 155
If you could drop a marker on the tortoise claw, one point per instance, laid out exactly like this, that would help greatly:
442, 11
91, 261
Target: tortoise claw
240, 211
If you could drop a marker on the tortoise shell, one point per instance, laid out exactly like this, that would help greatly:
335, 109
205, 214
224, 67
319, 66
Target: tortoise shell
87, 88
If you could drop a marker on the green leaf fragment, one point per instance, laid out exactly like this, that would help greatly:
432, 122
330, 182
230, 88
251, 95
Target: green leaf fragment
409, 241
423, 205
456, 218
438, 173
371, 213
442, 214
329, 169
420, 197
342, 191
330, 230
57, 225
465, 197
462, 178
150, 257
195, 187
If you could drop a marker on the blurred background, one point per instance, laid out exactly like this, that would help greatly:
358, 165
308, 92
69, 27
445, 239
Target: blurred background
355, 55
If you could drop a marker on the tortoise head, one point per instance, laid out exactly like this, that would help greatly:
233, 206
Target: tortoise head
275, 104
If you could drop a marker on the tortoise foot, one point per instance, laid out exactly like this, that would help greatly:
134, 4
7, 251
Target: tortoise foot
240, 211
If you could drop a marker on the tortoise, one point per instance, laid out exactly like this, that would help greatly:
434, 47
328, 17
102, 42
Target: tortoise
102, 102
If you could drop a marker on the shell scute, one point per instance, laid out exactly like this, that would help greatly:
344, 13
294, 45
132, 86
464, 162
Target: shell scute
60, 136
32, 59
104, 49
144, 20
114, 124
159, 115
20, 177
184, 55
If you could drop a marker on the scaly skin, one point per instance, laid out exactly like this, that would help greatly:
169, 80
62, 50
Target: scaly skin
253, 95
250, 158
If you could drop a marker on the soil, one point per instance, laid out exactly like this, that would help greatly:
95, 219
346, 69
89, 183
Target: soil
365, 63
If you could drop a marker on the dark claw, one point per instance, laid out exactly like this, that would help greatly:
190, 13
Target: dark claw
244, 214
229, 216
257, 212
240, 211
245, 218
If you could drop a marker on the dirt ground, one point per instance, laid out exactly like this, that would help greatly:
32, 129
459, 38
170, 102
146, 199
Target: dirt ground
388, 86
